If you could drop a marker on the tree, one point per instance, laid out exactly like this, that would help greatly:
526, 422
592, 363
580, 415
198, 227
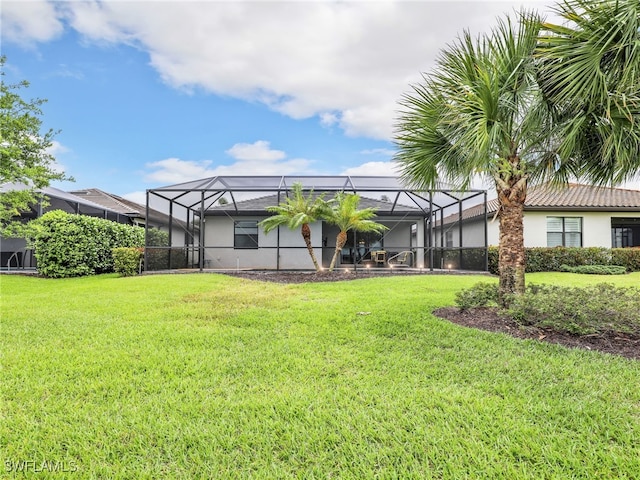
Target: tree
590, 70
506, 106
24, 157
297, 211
345, 214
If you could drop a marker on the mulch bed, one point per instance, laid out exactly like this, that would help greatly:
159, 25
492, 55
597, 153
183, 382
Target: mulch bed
480, 318
489, 319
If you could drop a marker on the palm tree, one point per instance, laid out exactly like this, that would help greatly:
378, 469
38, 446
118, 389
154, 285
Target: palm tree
297, 211
590, 69
345, 215
500, 106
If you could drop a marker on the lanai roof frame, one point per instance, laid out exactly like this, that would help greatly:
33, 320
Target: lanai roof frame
198, 196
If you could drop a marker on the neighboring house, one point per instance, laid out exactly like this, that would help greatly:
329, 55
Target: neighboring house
13, 251
573, 216
135, 212
91, 202
224, 214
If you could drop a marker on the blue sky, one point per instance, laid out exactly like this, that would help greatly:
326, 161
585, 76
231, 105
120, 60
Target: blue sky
152, 93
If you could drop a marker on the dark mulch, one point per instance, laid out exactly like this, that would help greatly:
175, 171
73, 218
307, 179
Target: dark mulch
489, 319
337, 275
479, 318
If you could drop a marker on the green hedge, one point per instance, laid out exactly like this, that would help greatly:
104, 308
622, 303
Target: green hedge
595, 269
69, 245
551, 259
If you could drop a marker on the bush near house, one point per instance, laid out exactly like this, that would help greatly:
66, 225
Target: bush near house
69, 245
551, 259
595, 269
126, 260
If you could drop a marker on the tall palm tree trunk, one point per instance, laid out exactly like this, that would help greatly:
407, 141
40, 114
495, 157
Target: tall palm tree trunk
511, 251
306, 234
341, 240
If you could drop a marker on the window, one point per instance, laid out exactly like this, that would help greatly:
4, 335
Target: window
449, 238
245, 234
564, 231
625, 232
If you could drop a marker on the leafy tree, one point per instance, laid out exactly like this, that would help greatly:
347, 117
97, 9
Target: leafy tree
297, 211
509, 106
23, 150
345, 214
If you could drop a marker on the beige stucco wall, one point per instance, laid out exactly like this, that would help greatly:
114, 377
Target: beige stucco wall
596, 227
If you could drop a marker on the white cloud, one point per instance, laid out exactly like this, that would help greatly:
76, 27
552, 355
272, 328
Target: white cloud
260, 150
56, 148
251, 159
347, 63
384, 152
174, 170
631, 185
138, 197
377, 169
28, 22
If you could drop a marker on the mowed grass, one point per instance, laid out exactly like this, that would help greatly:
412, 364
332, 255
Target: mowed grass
207, 376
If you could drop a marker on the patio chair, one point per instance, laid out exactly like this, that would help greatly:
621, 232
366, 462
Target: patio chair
402, 259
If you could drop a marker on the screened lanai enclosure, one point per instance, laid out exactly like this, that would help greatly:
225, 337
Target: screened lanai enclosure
214, 225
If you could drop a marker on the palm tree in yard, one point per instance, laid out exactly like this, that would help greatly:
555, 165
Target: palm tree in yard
297, 211
344, 213
509, 106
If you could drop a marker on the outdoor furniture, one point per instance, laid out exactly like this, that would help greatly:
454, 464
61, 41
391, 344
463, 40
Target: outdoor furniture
402, 259
379, 257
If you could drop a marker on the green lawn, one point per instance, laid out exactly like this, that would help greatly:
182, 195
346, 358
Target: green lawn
206, 376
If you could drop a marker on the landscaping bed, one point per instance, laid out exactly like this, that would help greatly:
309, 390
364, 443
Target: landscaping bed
488, 318
484, 318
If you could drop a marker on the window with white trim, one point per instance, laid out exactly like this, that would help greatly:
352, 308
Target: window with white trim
564, 231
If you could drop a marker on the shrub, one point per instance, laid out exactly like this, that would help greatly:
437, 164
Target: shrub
551, 259
126, 260
479, 295
602, 308
595, 269
69, 245
157, 237
629, 257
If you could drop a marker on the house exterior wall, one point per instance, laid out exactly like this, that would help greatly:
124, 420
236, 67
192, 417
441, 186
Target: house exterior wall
220, 251
293, 255
472, 234
596, 227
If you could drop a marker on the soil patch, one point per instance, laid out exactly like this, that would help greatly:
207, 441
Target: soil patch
489, 319
481, 318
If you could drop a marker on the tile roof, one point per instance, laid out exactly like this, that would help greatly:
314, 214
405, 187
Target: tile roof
588, 197
572, 197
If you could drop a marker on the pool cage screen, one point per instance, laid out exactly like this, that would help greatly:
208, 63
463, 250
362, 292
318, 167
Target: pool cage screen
213, 225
